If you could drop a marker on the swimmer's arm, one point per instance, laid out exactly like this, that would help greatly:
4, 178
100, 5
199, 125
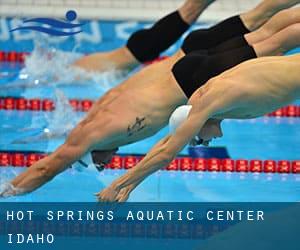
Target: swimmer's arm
131, 179
47, 168
165, 151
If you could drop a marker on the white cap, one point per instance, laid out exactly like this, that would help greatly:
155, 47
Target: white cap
178, 117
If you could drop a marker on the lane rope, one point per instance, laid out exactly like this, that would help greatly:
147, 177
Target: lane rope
19, 57
13, 56
11, 103
84, 105
26, 159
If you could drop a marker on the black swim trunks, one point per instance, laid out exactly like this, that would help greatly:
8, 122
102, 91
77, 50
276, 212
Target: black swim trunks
195, 69
205, 39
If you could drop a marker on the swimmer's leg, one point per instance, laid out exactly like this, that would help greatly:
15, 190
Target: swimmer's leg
256, 17
276, 23
229, 34
280, 21
279, 43
162, 35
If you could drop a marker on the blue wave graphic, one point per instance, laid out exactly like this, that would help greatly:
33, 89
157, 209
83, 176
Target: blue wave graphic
54, 23
56, 26
47, 30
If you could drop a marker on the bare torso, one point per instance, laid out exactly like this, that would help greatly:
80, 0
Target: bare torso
141, 105
257, 87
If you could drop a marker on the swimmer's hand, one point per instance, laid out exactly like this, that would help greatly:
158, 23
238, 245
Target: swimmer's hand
7, 190
124, 194
109, 194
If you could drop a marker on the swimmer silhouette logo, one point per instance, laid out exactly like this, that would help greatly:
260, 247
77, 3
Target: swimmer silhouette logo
57, 27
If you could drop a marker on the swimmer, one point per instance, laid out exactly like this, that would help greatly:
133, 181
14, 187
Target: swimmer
142, 46
276, 83
138, 108
147, 44
278, 22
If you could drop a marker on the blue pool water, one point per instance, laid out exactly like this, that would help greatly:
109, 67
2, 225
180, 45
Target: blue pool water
263, 138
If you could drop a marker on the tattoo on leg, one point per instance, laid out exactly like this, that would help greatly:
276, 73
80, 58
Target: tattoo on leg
137, 126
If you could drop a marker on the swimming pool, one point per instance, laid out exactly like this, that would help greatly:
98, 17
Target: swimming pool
266, 138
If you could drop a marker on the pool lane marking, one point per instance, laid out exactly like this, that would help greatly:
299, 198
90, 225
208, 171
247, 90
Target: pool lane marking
84, 105
183, 163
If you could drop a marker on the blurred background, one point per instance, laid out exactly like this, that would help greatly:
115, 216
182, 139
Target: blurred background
117, 9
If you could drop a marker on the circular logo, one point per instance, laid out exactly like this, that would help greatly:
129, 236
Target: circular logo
71, 15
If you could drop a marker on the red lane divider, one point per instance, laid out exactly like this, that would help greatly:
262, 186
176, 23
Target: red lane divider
19, 57
215, 165
12, 103
288, 111
19, 159
85, 105
159, 59
13, 56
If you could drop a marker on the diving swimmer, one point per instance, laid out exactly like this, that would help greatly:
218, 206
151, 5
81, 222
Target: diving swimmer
276, 83
136, 109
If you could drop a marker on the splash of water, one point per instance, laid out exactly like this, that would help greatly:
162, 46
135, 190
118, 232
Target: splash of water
45, 63
63, 119
48, 66
8, 190
58, 122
